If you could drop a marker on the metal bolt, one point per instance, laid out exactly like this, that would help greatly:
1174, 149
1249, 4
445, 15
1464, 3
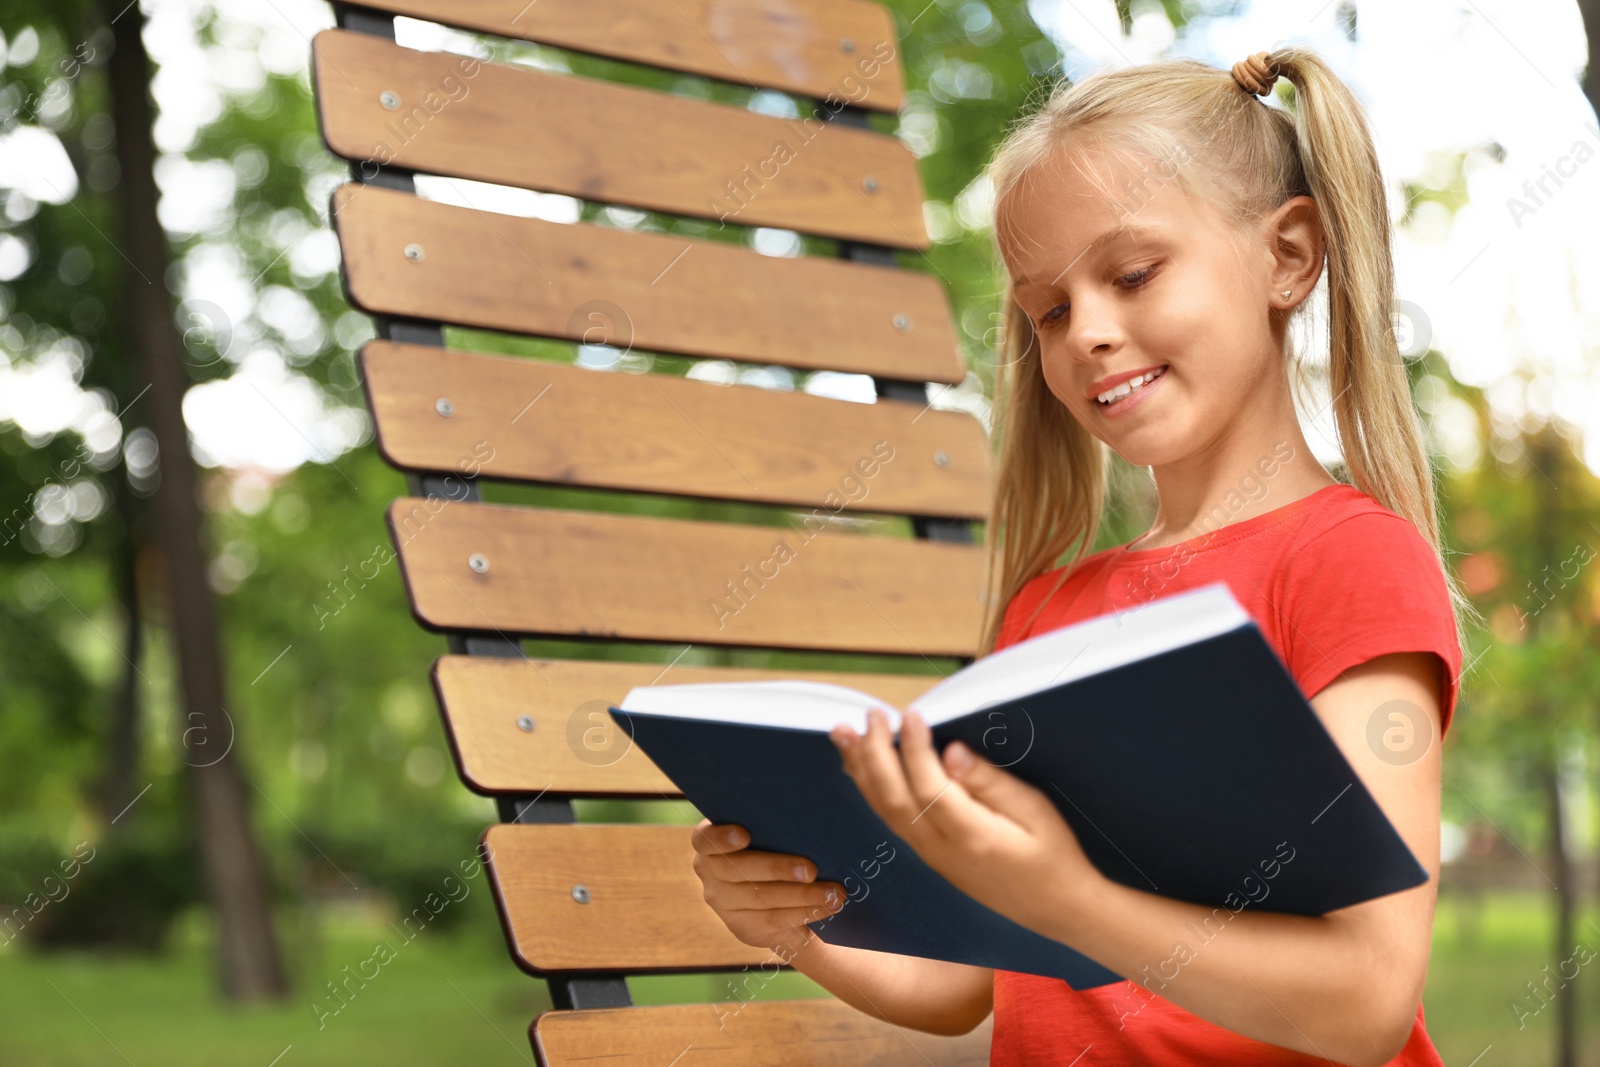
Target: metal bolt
414, 253
902, 322
389, 99
870, 184
846, 45
478, 562
580, 893
942, 458
525, 723
444, 407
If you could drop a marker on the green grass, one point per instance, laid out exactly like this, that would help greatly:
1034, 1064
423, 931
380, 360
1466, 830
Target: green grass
443, 997
457, 998
1480, 969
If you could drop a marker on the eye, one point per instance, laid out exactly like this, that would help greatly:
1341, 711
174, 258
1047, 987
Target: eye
1137, 278
1130, 281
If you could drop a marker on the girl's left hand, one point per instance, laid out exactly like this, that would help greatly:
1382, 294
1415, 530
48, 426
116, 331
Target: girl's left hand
990, 834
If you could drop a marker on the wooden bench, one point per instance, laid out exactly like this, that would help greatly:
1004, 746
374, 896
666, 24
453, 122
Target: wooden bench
584, 905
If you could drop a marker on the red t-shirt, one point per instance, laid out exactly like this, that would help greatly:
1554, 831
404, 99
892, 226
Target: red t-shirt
1333, 579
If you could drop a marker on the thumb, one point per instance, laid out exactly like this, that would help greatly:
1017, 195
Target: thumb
991, 786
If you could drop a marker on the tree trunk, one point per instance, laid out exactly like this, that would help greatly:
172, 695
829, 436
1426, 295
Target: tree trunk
122, 749
1561, 871
1590, 12
1546, 454
235, 871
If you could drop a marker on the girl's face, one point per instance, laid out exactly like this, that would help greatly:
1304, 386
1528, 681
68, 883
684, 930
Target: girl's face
1141, 280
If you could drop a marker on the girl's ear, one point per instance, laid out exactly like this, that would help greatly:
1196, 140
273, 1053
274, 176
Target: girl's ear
1298, 244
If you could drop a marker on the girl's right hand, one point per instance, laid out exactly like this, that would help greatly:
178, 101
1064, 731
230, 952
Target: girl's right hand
764, 898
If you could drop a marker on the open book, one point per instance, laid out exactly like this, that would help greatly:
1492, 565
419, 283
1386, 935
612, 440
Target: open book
1170, 736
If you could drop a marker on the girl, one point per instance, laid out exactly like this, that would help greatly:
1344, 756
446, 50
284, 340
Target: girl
1159, 225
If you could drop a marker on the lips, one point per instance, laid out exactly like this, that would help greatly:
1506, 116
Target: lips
1112, 381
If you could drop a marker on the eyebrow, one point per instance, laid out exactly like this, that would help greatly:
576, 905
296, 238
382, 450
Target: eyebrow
1120, 232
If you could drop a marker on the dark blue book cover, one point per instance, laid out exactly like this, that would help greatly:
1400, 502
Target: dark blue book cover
1199, 773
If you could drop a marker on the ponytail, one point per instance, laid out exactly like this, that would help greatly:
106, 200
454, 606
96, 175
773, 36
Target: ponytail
1380, 434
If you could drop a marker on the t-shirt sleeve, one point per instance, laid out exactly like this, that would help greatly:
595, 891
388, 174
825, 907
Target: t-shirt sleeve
1366, 587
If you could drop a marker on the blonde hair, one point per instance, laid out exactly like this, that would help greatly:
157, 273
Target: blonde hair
1247, 158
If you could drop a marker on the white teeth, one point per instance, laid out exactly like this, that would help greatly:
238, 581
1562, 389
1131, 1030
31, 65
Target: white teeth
1118, 392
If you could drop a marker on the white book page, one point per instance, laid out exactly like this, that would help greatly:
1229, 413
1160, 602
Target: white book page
1084, 648
1030, 666
792, 703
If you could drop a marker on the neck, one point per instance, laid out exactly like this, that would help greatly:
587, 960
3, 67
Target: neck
1259, 464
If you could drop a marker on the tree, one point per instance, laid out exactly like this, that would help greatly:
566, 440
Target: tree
235, 869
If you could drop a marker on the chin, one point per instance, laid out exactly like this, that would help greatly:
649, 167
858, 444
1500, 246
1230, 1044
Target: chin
1151, 446
1141, 457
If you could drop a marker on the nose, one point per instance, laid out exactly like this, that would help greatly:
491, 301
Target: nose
1093, 332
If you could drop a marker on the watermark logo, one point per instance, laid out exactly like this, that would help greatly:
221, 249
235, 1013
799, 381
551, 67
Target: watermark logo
739, 190
870, 868
1253, 889
207, 332
741, 590
1408, 325
342, 988
595, 737
1155, 576
1544, 993
412, 117
1537, 191
1008, 735
53, 890
1000, 348
1399, 732
1581, 554
206, 741
601, 322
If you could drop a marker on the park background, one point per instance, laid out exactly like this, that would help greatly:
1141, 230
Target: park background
1485, 117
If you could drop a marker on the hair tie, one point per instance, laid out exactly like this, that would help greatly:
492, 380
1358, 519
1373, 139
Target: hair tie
1256, 74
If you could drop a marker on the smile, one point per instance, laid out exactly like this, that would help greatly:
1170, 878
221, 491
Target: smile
1132, 386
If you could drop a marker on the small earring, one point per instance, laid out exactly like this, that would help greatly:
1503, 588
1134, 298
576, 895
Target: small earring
1286, 293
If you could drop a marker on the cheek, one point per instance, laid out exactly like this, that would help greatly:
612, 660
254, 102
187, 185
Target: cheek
1208, 336
1216, 322
1057, 367
1178, 321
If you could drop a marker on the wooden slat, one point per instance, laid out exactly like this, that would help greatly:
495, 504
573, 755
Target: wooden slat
649, 579
574, 746
644, 913
598, 140
824, 1032
541, 421
796, 47
648, 290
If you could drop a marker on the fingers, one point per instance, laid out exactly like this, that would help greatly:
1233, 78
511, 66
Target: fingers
796, 918
773, 914
875, 765
710, 839
764, 898
1000, 790
757, 867
785, 930
902, 784
825, 897
924, 771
